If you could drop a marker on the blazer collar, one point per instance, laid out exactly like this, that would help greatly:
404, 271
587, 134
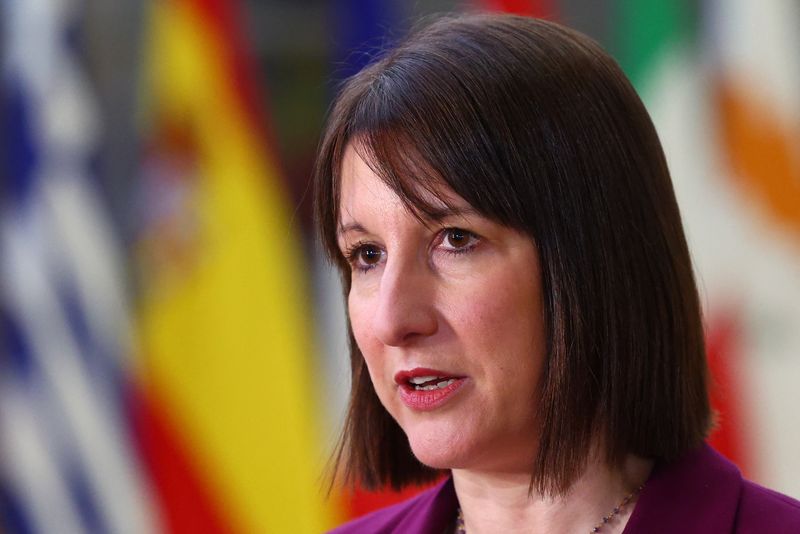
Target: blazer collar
433, 512
698, 493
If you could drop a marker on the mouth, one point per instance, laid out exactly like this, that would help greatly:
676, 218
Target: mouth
421, 379
427, 389
430, 383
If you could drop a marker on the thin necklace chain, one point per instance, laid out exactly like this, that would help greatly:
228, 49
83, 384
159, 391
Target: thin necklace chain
617, 509
462, 529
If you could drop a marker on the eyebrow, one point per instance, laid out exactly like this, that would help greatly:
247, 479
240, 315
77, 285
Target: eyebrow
431, 214
445, 212
350, 227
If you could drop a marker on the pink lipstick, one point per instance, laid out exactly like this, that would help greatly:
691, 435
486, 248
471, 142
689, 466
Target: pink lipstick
427, 389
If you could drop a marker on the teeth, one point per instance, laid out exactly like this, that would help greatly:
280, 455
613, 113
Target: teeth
438, 385
417, 380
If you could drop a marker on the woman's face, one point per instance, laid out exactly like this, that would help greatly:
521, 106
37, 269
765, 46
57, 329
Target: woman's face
448, 316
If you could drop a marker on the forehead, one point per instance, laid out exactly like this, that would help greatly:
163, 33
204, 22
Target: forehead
361, 191
365, 185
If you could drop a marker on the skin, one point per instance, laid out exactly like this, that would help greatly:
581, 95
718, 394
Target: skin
461, 294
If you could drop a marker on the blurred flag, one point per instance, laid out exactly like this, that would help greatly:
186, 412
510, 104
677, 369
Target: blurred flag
754, 92
66, 460
721, 80
228, 410
658, 46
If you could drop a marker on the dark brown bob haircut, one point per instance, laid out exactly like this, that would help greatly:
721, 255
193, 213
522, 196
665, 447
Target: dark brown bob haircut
538, 129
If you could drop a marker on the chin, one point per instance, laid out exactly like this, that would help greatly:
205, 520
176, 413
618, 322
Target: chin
464, 450
437, 458
440, 449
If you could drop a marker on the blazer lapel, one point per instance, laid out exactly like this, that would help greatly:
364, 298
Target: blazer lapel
697, 494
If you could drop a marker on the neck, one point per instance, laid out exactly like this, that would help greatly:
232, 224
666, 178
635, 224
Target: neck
501, 502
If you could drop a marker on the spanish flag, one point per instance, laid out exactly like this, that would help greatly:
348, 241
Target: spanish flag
226, 393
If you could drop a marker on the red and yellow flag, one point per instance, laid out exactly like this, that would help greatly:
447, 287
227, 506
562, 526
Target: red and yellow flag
227, 400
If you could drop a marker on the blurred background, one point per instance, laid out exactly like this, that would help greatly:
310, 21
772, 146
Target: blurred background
173, 351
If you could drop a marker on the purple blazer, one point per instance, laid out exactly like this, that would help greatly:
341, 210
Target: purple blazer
703, 493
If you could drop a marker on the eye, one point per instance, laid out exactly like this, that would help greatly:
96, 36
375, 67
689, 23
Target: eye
458, 240
363, 256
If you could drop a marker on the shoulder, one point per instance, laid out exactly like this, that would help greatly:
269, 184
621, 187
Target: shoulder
428, 512
704, 492
386, 519
764, 510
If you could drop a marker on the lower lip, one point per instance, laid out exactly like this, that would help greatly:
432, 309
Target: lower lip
422, 400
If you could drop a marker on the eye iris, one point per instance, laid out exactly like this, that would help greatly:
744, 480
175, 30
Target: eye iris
457, 238
370, 255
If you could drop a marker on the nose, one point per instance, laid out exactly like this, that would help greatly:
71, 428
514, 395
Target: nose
405, 312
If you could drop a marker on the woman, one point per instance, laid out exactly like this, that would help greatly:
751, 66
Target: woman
523, 316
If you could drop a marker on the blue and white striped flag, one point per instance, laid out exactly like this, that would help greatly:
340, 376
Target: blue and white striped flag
67, 462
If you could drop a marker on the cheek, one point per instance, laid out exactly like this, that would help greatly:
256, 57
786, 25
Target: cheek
360, 316
502, 321
497, 309
359, 320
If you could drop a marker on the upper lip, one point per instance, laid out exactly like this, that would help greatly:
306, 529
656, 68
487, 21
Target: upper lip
402, 377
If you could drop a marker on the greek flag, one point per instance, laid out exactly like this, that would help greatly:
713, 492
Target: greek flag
67, 460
